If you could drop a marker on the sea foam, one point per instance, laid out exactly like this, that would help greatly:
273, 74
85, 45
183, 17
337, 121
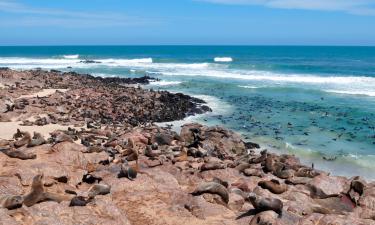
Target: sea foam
71, 56
223, 59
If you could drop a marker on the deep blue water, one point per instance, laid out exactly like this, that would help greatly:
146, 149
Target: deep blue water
310, 101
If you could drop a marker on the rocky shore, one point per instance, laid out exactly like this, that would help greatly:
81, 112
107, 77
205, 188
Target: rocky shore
78, 149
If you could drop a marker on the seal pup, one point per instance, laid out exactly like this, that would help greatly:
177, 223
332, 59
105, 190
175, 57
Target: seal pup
37, 140
11, 201
15, 153
264, 204
273, 186
128, 171
79, 201
212, 188
26, 138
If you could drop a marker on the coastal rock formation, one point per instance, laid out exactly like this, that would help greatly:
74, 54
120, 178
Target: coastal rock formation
112, 165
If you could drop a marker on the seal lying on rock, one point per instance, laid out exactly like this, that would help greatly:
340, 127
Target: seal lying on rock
212, 188
11, 201
264, 204
98, 189
23, 141
273, 186
15, 153
37, 140
38, 194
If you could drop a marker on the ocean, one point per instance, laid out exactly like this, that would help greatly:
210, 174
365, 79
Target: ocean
314, 102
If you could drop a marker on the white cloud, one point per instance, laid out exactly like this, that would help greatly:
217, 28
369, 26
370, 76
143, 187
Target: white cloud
55, 17
362, 7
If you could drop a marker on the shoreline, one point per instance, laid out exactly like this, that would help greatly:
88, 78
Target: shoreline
103, 129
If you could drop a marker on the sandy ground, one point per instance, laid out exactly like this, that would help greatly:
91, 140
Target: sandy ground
43, 93
7, 129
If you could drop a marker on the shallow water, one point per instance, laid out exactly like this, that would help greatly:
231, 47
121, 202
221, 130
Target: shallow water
310, 101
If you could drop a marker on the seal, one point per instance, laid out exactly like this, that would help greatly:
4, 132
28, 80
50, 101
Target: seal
78, 201
262, 204
273, 186
38, 194
37, 140
11, 201
98, 189
128, 171
183, 156
264, 218
62, 137
212, 166
212, 188
26, 138
15, 153
149, 152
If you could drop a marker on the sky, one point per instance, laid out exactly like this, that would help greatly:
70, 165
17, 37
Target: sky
187, 22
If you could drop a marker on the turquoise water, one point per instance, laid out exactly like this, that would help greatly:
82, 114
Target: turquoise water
310, 101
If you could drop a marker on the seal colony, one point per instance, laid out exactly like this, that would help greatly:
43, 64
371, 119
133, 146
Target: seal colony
113, 165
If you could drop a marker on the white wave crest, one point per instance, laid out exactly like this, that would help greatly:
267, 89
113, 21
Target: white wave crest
354, 92
71, 56
223, 59
165, 83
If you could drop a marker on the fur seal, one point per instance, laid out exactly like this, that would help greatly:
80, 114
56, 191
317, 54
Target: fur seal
182, 156
78, 201
212, 188
264, 218
26, 138
149, 152
11, 201
37, 140
128, 171
98, 189
264, 204
62, 137
38, 194
15, 153
273, 186
212, 166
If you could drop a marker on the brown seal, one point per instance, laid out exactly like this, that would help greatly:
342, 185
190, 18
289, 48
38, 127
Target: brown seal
23, 141
212, 188
38, 194
18, 154
264, 218
182, 157
98, 189
37, 140
11, 201
212, 166
128, 171
264, 204
273, 186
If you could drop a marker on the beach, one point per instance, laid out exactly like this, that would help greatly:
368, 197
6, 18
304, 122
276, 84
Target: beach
104, 160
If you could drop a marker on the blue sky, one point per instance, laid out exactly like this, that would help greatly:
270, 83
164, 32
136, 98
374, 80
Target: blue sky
250, 22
